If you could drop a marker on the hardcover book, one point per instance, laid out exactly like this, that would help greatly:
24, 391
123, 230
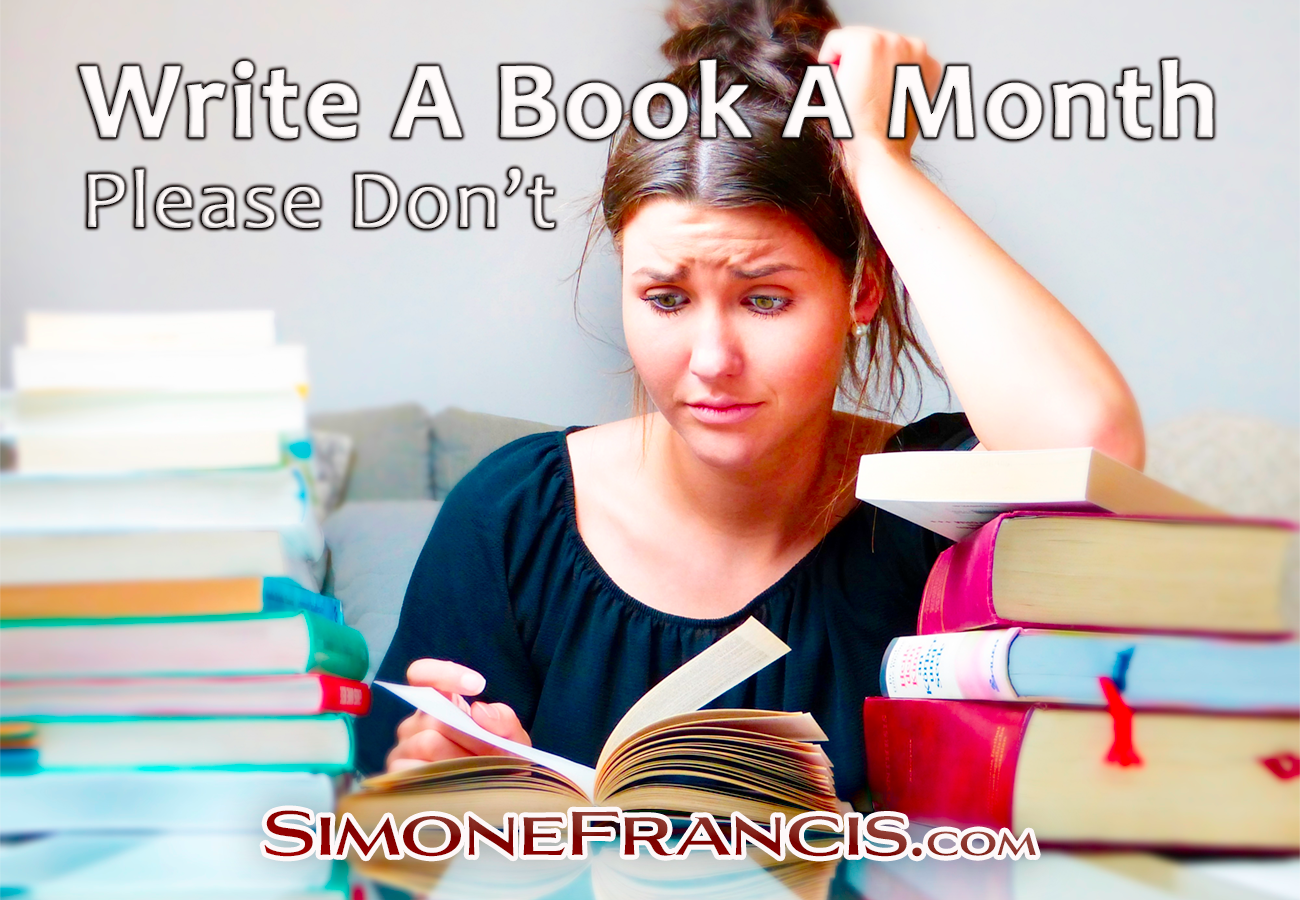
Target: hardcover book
1107, 572
137, 599
247, 695
1151, 671
955, 493
250, 644
1204, 782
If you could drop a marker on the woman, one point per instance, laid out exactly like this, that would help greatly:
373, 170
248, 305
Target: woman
571, 571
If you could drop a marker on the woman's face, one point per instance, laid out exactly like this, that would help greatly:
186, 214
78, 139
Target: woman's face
736, 320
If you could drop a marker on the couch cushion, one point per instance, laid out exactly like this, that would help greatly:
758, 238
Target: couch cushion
461, 439
373, 549
390, 451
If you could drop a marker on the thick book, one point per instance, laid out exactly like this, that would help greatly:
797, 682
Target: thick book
1091, 571
297, 743
955, 493
39, 559
99, 413
242, 695
92, 453
272, 499
1204, 782
1150, 671
136, 599
248, 644
173, 330
278, 368
177, 800
665, 754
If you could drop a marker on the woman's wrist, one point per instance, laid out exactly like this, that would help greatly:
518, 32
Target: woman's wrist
869, 156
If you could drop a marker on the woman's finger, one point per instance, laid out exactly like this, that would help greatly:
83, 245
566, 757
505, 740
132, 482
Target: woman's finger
428, 745
446, 676
412, 724
501, 720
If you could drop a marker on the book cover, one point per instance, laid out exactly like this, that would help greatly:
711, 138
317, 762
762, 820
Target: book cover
288, 642
1150, 671
248, 695
1085, 571
145, 599
1203, 782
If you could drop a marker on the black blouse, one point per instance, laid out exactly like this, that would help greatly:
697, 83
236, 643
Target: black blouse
506, 585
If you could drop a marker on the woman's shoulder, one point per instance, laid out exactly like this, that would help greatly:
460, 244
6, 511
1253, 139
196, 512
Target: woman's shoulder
520, 476
937, 431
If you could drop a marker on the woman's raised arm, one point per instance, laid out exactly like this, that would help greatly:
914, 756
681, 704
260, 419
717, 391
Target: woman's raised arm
1028, 374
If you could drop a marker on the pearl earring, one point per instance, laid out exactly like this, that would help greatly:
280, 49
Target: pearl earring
860, 329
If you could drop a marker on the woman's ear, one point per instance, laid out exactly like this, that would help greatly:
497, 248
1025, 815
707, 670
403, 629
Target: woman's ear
871, 293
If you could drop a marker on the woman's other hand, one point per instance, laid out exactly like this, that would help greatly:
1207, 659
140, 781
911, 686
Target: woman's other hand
421, 738
865, 60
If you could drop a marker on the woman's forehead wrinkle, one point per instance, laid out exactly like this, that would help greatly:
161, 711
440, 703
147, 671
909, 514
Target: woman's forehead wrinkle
707, 248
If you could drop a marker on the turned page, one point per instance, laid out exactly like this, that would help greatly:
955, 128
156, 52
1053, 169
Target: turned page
711, 672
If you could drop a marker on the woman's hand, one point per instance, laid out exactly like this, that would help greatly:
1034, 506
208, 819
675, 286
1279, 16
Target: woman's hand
421, 738
1027, 373
865, 60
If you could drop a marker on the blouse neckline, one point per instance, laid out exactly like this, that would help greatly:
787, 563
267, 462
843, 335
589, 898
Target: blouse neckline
593, 565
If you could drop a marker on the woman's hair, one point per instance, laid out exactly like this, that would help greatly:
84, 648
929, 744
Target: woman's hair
767, 45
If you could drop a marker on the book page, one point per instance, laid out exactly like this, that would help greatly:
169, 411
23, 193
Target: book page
426, 699
726, 664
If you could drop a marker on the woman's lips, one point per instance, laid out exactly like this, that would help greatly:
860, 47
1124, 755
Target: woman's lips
723, 413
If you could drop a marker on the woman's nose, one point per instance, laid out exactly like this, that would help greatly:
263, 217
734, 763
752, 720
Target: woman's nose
716, 350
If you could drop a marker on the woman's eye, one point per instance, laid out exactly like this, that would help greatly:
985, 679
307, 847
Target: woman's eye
666, 302
765, 303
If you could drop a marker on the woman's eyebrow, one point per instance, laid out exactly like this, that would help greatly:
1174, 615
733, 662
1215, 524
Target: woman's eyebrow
676, 275
764, 271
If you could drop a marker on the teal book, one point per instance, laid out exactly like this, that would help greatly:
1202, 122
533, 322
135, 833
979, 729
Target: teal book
287, 743
284, 642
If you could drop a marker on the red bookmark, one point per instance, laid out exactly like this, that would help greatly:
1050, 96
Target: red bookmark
1285, 765
1122, 752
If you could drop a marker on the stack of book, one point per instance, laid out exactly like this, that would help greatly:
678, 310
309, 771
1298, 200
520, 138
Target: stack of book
1098, 658
168, 670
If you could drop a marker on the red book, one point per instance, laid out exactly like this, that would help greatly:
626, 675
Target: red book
1096, 571
1208, 782
250, 695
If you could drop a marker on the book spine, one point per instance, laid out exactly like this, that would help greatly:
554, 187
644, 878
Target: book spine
344, 695
281, 593
335, 649
111, 599
959, 592
944, 761
963, 665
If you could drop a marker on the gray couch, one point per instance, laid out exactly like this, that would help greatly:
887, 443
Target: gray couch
403, 463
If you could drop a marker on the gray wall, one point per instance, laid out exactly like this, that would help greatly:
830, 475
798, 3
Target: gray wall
1180, 256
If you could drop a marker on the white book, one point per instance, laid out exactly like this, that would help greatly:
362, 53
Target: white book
279, 368
174, 800
52, 454
147, 556
239, 329
955, 493
275, 499
96, 413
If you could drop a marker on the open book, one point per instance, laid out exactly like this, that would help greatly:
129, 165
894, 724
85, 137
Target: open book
603, 875
665, 754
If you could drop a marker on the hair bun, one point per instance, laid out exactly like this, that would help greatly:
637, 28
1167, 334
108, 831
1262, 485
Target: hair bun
766, 42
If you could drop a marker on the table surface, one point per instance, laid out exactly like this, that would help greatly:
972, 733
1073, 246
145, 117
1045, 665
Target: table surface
1055, 876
